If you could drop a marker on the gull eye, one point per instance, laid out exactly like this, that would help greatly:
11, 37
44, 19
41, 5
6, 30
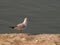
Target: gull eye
12, 27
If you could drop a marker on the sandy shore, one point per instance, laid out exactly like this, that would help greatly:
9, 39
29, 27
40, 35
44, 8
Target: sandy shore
27, 39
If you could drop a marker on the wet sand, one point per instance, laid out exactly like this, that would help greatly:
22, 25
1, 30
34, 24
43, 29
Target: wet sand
28, 39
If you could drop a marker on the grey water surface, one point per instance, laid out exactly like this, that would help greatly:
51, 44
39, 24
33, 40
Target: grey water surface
43, 15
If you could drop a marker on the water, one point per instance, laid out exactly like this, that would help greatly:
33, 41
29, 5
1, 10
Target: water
43, 15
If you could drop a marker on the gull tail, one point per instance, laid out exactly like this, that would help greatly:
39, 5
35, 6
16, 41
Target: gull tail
25, 21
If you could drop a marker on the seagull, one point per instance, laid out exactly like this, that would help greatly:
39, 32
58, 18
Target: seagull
20, 26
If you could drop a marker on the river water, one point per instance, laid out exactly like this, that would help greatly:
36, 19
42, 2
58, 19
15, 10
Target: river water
43, 15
